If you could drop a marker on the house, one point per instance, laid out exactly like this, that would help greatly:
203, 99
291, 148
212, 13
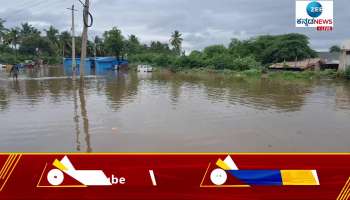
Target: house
344, 60
330, 59
307, 64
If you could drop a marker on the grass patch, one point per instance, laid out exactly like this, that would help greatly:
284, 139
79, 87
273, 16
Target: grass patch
260, 73
347, 73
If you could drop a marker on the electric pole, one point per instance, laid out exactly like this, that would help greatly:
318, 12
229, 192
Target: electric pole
84, 37
74, 64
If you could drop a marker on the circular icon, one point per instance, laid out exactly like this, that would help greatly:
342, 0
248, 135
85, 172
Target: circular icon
314, 9
55, 177
218, 176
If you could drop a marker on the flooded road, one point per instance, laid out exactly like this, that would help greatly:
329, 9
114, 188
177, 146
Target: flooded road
46, 111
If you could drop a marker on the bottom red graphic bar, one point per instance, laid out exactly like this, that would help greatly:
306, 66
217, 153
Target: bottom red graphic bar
175, 176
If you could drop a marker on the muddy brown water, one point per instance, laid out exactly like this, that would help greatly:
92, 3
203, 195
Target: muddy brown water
46, 111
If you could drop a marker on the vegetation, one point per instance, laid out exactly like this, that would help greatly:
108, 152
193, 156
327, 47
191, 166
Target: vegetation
176, 42
334, 49
347, 73
27, 42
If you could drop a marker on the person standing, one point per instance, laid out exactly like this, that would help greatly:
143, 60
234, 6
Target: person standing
14, 71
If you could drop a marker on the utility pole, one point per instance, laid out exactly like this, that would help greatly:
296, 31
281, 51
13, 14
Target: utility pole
74, 64
84, 37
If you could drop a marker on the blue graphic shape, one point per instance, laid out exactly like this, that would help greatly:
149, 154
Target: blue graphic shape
258, 177
314, 9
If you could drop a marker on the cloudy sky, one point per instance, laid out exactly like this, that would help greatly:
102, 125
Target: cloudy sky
202, 22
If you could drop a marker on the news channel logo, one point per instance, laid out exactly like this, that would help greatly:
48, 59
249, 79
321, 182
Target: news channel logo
314, 9
315, 14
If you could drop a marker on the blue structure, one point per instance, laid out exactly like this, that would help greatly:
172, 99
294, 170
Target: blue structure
68, 62
101, 64
109, 63
68, 66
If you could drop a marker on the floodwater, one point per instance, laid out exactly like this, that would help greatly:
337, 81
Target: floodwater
46, 111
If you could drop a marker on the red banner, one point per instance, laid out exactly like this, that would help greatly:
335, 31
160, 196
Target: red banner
175, 176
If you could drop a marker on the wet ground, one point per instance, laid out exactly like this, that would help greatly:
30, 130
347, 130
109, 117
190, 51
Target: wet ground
46, 111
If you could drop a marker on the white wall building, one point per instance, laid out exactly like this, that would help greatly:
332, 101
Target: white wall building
344, 60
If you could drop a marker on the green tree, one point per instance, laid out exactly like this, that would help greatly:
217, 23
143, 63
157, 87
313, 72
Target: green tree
334, 49
100, 49
269, 49
176, 41
13, 38
213, 50
114, 42
287, 47
159, 47
65, 41
35, 44
132, 45
52, 35
3, 30
28, 30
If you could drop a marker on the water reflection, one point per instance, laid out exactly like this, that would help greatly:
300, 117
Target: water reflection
121, 89
342, 93
76, 117
84, 114
3, 99
47, 109
256, 93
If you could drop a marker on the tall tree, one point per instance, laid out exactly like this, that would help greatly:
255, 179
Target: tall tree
114, 42
159, 47
3, 30
132, 45
52, 34
176, 41
12, 38
28, 30
65, 40
100, 51
334, 49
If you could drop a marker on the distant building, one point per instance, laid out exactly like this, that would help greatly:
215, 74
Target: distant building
330, 60
307, 64
344, 60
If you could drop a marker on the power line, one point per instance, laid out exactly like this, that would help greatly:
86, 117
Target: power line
35, 4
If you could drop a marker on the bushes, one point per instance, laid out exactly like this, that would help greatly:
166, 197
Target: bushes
245, 63
7, 58
347, 72
157, 59
197, 60
213, 57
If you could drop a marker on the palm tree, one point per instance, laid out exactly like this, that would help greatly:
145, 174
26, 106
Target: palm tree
12, 38
3, 30
52, 34
99, 46
65, 40
28, 30
176, 41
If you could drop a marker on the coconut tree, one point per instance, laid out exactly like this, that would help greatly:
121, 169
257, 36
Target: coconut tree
99, 46
65, 40
28, 30
13, 38
52, 34
3, 30
176, 41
